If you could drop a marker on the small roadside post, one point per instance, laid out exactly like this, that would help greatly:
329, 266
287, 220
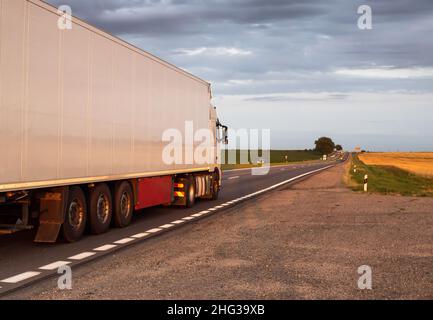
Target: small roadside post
354, 169
365, 183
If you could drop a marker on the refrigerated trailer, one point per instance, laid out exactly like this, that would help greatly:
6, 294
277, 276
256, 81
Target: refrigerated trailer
82, 120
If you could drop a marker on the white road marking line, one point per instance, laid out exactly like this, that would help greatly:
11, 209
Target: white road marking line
123, 241
205, 212
275, 186
178, 222
54, 265
250, 168
188, 218
154, 230
212, 209
21, 277
105, 247
140, 235
82, 256
219, 207
197, 215
232, 178
167, 226
225, 204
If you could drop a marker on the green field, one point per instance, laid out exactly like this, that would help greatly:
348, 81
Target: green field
276, 157
389, 180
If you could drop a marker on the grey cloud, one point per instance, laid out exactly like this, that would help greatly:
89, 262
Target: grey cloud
295, 45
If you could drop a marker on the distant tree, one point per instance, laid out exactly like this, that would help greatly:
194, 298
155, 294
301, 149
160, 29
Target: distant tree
324, 145
338, 147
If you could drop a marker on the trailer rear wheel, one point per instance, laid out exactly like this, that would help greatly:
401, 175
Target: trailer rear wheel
123, 204
76, 215
100, 208
190, 192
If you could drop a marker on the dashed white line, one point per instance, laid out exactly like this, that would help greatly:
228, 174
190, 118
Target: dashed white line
124, 241
82, 256
188, 218
21, 277
140, 235
55, 265
178, 222
167, 226
105, 247
155, 230
197, 215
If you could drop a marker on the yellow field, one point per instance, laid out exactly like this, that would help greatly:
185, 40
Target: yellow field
416, 162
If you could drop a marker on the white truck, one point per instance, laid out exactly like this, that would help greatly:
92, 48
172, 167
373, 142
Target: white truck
82, 116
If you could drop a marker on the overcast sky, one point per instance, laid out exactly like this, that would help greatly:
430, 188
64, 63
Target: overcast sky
301, 68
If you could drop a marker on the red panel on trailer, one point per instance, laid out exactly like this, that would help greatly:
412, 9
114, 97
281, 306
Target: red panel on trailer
154, 191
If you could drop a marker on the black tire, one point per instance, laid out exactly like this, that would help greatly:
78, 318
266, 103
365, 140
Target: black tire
75, 215
190, 192
100, 208
123, 204
215, 187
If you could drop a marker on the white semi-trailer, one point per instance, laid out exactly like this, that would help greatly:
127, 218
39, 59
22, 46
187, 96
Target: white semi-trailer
82, 120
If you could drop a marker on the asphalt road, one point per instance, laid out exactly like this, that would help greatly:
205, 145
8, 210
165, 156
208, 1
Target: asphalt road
20, 257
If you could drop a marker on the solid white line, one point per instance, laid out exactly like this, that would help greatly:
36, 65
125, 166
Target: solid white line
55, 265
82, 256
166, 226
140, 235
105, 248
279, 166
178, 222
275, 186
123, 241
232, 178
21, 277
155, 230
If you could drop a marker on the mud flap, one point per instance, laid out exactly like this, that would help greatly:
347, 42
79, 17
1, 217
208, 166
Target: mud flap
52, 214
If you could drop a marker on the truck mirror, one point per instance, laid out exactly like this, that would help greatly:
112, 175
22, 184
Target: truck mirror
226, 136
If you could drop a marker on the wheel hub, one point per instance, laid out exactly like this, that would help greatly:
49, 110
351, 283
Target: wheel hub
75, 214
125, 205
102, 208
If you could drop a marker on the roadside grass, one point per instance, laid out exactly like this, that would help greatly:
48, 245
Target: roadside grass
389, 180
277, 157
